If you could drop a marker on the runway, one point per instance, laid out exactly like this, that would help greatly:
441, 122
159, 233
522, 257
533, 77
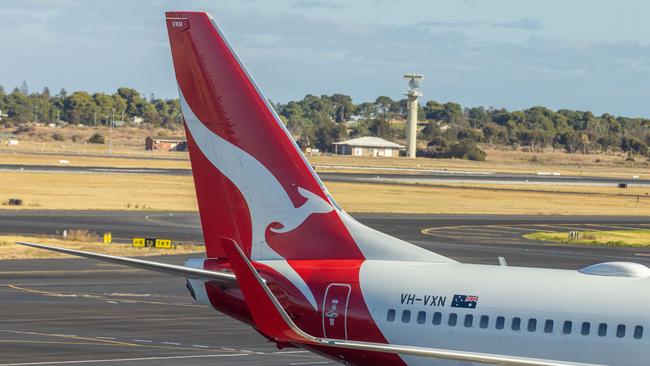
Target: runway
76, 311
414, 176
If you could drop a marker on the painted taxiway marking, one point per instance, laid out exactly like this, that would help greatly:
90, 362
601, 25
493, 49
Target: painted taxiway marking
111, 342
98, 297
160, 358
289, 352
598, 226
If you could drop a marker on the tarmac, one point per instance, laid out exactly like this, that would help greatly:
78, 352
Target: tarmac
78, 311
373, 175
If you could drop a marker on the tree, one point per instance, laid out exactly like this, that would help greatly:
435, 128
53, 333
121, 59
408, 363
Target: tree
79, 107
343, 107
634, 146
383, 105
23, 88
19, 106
134, 102
96, 138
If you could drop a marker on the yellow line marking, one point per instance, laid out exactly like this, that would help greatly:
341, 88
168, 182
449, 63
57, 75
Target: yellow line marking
474, 232
512, 227
82, 271
558, 227
72, 337
53, 342
95, 341
611, 227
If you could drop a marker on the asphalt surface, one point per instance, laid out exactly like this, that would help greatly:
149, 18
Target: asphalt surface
413, 177
76, 311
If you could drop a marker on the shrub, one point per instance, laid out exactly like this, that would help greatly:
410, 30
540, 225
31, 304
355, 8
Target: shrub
76, 138
461, 150
58, 137
82, 235
97, 138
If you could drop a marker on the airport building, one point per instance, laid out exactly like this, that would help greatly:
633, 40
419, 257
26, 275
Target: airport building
165, 144
367, 146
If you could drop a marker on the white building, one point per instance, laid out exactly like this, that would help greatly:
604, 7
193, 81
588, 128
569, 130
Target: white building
367, 146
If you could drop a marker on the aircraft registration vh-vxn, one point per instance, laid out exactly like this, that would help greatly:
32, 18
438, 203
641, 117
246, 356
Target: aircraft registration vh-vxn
284, 258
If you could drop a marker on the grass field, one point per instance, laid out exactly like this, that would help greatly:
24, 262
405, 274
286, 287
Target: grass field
129, 141
79, 191
508, 161
157, 192
10, 250
628, 238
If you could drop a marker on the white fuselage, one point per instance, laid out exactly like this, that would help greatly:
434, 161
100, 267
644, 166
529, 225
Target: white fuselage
558, 314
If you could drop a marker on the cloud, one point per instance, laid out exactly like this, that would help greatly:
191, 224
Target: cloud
313, 4
524, 23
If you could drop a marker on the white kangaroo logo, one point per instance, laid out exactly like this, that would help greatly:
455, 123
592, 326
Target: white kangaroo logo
267, 200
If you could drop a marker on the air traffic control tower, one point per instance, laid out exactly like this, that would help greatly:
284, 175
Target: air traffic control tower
412, 121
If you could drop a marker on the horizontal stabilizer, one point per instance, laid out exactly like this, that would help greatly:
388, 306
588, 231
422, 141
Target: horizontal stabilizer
169, 269
274, 322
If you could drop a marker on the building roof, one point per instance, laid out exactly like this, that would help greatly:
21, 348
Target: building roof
370, 141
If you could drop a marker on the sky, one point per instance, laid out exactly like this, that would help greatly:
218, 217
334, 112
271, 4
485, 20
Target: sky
580, 54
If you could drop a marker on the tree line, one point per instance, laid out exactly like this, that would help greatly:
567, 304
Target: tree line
81, 107
317, 121
453, 131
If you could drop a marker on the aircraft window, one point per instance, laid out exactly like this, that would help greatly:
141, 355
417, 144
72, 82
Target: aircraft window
422, 317
391, 315
602, 329
453, 319
620, 331
501, 321
568, 327
532, 325
638, 332
469, 320
516, 323
485, 321
406, 316
548, 326
437, 318
586, 328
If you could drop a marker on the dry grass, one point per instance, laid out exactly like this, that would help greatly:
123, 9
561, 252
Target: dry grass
628, 238
130, 141
72, 191
508, 161
356, 197
125, 140
95, 161
158, 192
10, 250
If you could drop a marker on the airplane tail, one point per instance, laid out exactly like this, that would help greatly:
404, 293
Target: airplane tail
253, 184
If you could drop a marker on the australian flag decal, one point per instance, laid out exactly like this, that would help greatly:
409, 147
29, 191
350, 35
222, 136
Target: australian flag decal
464, 301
